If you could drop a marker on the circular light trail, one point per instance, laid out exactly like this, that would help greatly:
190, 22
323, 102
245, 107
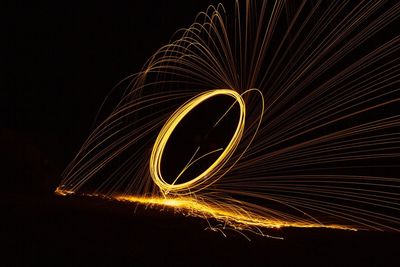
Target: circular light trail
199, 181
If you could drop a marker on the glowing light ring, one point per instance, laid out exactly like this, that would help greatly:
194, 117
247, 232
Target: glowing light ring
158, 149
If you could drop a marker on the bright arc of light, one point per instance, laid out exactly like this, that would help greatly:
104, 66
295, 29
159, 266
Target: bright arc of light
199, 181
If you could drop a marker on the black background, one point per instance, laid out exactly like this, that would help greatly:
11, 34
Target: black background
62, 60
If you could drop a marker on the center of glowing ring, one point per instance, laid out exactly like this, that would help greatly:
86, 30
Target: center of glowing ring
200, 181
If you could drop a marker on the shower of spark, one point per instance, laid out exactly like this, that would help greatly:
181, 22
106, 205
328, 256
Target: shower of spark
316, 141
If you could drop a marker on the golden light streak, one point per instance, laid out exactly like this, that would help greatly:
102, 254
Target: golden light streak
165, 133
227, 214
62, 192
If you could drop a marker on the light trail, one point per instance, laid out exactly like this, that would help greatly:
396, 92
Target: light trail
229, 215
165, 133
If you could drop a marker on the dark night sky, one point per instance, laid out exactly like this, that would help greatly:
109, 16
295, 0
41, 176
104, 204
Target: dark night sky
67, 59
63, 59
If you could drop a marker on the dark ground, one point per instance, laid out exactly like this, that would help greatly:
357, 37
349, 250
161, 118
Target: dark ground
62, 61
87, 231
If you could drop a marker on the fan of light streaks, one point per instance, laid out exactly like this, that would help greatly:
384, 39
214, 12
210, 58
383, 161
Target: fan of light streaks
319, 148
